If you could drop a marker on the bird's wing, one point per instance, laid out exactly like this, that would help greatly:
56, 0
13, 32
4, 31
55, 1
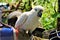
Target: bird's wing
21, 20
14, 14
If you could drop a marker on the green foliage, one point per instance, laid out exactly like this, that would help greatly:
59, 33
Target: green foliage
50, 14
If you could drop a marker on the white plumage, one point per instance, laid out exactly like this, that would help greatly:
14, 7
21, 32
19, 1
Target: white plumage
29, 20
14, 14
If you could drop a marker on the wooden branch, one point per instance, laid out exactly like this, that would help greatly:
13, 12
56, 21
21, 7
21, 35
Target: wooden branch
7, 11
18, 4
15, 7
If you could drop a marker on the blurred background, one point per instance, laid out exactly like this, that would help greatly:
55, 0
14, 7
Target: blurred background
49, 17
50, 14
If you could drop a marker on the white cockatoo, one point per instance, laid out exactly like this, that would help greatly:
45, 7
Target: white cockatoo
13, 16
29, 20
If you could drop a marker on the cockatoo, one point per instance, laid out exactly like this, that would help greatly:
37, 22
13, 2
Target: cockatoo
29, 20
13, 16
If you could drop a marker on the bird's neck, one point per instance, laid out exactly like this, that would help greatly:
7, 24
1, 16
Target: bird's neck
33, 11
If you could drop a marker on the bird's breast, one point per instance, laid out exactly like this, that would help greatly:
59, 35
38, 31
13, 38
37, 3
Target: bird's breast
31, 23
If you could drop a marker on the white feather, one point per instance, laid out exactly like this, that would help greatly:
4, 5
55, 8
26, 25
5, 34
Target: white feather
28, 20
14, 14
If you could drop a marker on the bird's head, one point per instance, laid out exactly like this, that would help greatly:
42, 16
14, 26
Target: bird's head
38, 10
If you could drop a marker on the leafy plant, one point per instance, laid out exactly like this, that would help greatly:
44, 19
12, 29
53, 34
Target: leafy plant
50, 14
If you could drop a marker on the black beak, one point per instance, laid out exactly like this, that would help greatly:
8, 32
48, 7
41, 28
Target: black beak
39, 14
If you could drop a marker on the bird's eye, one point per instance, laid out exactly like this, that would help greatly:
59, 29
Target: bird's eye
35, 9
